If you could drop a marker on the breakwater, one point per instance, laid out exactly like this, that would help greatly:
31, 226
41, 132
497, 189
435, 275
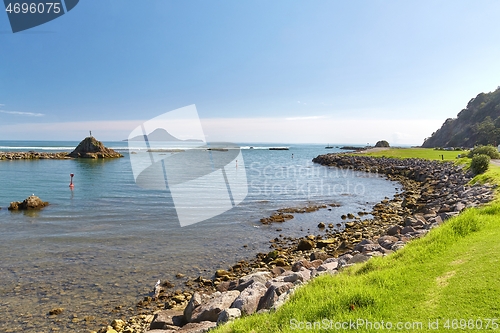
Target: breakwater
32, 155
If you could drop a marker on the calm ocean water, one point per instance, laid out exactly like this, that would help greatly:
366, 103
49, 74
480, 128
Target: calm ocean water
105, 243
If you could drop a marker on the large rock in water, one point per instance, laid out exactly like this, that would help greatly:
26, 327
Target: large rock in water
92, 148
32, 202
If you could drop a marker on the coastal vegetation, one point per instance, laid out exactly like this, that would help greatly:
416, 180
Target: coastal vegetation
382, 143
491, 151
480, 163
477, 124
444, 281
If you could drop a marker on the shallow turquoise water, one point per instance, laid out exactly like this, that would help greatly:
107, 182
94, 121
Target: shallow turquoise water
106, 242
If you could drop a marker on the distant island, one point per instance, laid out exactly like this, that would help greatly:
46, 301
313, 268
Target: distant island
477, 124
160, 134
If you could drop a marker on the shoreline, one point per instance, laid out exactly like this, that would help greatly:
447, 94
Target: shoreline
32, 155
432, 192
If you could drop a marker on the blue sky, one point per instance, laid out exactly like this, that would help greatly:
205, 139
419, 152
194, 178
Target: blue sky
271, 71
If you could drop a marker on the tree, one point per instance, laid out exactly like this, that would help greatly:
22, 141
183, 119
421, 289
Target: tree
382, 143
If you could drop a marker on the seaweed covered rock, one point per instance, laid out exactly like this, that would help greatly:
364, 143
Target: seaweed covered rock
32, 202
92, 148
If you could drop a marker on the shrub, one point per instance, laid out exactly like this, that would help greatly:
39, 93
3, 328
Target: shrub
480, 163
382, 143
491, 151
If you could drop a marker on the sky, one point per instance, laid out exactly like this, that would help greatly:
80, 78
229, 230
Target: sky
258, 71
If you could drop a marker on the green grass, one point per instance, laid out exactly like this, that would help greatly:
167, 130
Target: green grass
426, 153
452, 273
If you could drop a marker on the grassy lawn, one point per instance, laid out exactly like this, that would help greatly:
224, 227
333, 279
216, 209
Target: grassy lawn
427, 153
446, 281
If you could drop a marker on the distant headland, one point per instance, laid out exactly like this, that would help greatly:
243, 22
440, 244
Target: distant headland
160, 134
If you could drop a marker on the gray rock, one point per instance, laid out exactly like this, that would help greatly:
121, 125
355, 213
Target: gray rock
407, 230
418, 224
293, 277
248, 280
321, 255
228, 315
194, 302
306, 274
299, 264
410, 220
167, 319
328, 266
398, 246
360, 245
459, 207
210, 310
387, 241
201, 327
273, 292
394, 230
436, 219
358, 258
248, 301
316, 263
371, 248
329, 260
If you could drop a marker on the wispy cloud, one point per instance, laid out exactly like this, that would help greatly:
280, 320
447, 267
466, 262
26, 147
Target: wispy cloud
306, 118
32, 114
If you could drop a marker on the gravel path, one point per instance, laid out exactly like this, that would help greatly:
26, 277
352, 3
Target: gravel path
495, 162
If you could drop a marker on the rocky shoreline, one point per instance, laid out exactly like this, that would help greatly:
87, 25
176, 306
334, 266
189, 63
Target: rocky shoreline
87, 148
32, 155
432, 192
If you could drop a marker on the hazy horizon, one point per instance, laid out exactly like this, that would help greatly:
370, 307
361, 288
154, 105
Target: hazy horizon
258, 71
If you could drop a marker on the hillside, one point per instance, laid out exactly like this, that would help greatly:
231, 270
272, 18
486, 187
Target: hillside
477, 124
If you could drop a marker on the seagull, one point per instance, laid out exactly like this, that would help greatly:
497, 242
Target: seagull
156, 290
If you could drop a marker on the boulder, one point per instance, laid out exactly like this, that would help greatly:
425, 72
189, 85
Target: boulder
32, 202
194, 302
248, 280
358, 258
387, 241
92, 148
328, 266
248, 301
272, 294
398, 246
167, 319
394, 230
228, 315
321, 255
210, 310
202, 327
299, 264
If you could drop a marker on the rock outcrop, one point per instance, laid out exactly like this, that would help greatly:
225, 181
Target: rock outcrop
32, 155
92, 148
32, 202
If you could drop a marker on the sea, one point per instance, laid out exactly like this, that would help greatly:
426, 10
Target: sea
102, 245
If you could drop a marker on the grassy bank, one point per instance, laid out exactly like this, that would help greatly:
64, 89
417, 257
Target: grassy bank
446, 281
426, 153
